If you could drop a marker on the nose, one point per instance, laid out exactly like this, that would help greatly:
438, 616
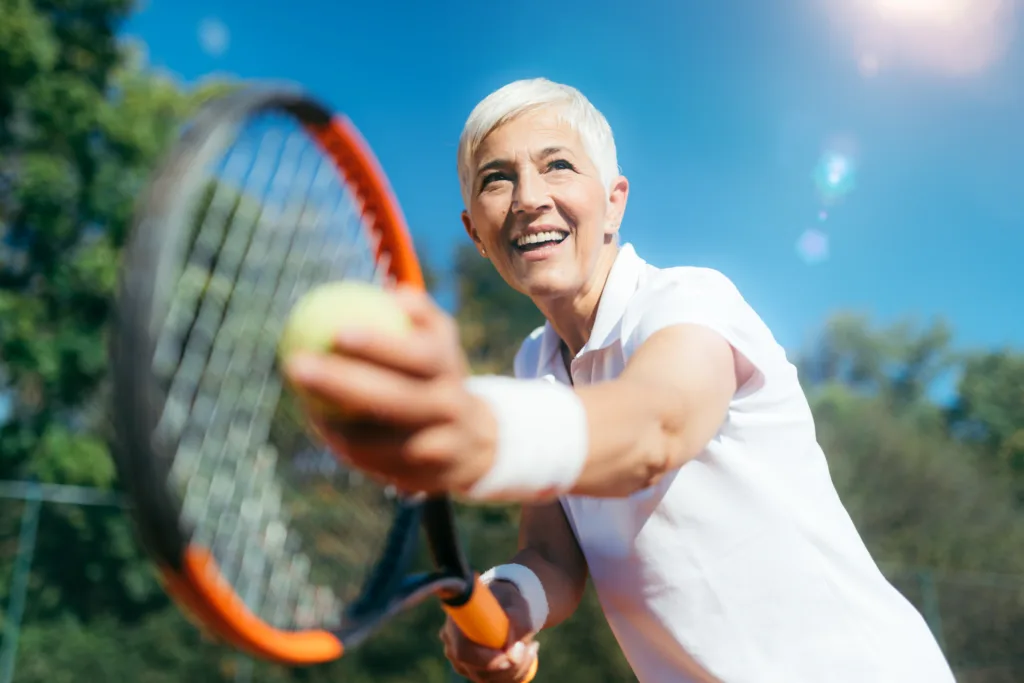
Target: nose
530, 194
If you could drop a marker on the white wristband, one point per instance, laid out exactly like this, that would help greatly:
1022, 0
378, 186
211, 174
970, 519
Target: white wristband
542, 439
529, 587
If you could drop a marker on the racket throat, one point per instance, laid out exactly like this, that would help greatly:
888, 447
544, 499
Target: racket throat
438, 519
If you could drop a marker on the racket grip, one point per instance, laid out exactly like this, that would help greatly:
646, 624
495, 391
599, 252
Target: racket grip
482, 620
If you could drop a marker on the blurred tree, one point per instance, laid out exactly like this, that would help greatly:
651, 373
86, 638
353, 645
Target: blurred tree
82, 120
989, 413
899, 364
946, 533
493, 318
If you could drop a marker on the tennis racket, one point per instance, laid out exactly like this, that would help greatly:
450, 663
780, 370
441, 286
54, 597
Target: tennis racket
260, 533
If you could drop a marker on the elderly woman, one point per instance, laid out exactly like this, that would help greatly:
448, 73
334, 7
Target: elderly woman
655, 434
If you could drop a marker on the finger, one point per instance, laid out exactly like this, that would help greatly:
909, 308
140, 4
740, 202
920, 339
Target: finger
475, 658
358, 440
386, 457
371, 447
361, 388
521, 669
509, 667
498, 673
420, 353
421, 308
506, 675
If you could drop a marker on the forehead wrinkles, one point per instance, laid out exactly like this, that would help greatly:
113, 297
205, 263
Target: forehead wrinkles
529, 137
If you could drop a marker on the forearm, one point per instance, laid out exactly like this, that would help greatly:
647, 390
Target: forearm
631, 441
548, 548
612, 438
607, 440
563, 592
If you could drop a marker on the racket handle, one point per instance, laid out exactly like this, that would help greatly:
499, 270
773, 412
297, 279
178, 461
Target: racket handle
482, 620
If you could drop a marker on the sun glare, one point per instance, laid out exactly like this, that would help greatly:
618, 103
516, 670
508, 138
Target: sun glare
949, 37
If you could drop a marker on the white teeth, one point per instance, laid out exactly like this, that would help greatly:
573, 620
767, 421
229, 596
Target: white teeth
536, 238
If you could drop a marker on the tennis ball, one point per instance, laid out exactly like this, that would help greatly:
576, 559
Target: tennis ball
324, 311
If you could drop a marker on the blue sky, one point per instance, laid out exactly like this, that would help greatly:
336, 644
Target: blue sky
725, 113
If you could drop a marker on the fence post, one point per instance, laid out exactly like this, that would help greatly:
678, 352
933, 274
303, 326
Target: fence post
19, 583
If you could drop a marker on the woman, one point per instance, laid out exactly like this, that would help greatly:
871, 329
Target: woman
655, 433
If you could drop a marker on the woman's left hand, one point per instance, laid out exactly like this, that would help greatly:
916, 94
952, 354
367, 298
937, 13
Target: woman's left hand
416, 426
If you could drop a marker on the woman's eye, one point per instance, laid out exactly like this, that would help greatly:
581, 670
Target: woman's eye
492, 177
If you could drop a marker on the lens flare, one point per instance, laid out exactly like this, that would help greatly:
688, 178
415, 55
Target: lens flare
869, 65
214, 36
812, 246
834, 176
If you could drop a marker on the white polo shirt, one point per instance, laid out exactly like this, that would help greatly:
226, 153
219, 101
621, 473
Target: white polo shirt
744, 559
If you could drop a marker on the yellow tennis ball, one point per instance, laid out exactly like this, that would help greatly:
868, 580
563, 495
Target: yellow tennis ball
324, 311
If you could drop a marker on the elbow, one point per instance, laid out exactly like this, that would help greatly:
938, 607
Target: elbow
669, 447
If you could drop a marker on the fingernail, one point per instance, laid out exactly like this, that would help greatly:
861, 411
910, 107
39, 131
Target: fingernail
517, 652
504, 665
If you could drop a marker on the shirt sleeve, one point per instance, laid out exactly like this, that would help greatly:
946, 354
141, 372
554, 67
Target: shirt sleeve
705, 297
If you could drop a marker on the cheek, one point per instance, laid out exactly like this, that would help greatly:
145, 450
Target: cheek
584, 209
489, 220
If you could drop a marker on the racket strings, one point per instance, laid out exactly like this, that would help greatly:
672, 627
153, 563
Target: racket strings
274, 221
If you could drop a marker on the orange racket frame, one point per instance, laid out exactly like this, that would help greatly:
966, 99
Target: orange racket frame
189, 572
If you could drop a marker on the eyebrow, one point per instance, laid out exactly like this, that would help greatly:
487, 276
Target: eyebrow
499, 163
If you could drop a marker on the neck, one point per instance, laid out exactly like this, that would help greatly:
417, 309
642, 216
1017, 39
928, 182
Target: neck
572, 317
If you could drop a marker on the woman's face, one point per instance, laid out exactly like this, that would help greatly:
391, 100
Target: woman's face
538, 208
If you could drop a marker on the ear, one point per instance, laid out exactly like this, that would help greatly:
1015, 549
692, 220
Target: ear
617, 197
467, 223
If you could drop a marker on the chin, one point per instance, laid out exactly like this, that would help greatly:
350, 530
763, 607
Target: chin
548, 287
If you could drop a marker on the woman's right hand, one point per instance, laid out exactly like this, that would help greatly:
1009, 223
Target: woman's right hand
485, 665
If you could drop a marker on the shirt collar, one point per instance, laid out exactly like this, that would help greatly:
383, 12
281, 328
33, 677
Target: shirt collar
618, 290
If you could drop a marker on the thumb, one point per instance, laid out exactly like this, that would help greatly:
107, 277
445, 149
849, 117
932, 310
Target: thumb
521, 656
419, 306
516, 653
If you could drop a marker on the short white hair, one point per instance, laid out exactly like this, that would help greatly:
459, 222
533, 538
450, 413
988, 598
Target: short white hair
520, 97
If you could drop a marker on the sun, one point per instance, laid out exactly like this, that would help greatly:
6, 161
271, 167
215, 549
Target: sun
923, 12
949, 37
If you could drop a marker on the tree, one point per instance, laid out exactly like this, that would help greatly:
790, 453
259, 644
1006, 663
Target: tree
82, 121
945, 531
989, 413
493, 318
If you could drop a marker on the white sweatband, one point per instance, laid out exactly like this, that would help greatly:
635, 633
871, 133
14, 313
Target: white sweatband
529, 587
542, 439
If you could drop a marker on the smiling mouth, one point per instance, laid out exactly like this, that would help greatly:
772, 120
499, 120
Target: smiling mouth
540, 240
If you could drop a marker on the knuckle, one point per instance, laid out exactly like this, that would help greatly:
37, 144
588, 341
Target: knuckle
451, 399
425, 454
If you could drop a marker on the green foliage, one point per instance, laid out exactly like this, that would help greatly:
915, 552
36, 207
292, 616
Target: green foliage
989, 413
945, 529
81, 124
493, 318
